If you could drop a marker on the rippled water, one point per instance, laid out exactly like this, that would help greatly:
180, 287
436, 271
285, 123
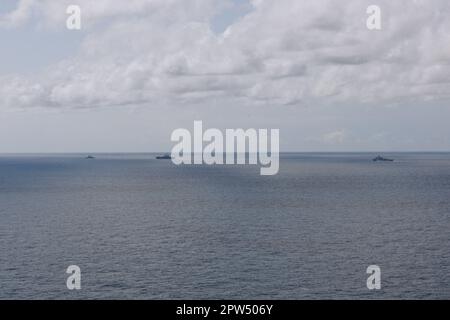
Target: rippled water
145, 228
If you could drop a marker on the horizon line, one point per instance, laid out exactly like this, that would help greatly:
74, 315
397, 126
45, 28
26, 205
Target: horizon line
151, 152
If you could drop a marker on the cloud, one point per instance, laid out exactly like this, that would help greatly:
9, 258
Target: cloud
52, 14
285, 52
18, 16
335, 137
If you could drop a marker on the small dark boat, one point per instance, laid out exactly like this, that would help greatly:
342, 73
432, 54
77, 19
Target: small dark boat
164, 157
90, 157
380, 158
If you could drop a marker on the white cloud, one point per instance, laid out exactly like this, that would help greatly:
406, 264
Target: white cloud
335, 137
18, 16
285, 52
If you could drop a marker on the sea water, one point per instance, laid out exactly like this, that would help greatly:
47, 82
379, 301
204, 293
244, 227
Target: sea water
144, 228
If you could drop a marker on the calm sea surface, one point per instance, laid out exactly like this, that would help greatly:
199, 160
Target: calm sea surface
145, 228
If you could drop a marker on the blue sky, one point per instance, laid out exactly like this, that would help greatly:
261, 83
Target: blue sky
138, 70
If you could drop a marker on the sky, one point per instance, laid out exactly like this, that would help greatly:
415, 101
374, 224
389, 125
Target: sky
139, 69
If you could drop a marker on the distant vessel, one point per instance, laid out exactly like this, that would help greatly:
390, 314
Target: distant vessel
90, 157
380, 158
164, 157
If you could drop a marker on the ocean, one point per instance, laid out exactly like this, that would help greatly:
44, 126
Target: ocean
141, 228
